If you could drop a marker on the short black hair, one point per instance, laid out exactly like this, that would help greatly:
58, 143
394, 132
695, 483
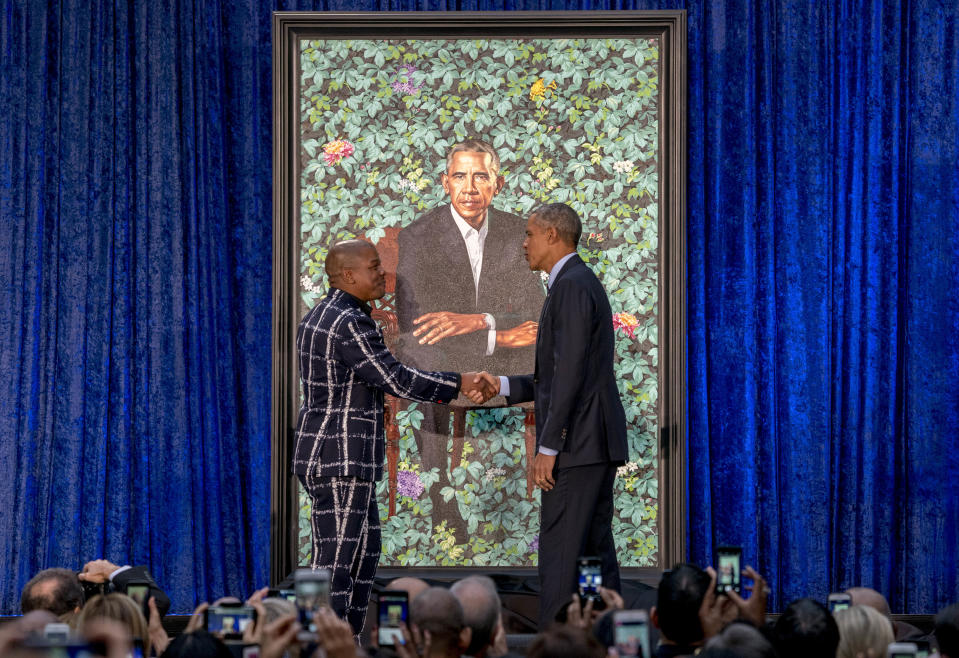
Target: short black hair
562, 218
947, 630
806, 629
66, 595
561, 641
680, 595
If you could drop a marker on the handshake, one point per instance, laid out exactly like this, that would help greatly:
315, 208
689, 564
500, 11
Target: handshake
479, 386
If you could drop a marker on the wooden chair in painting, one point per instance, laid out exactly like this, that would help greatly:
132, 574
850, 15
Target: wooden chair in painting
384, 312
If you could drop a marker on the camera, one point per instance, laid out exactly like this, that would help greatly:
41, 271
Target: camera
229, 620
729, 569
590, 570
393, 609
838, 601
311, 588
631, 633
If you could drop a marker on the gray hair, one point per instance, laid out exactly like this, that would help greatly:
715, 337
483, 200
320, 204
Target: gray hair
744, 640
481, 609
474, 146
562, 218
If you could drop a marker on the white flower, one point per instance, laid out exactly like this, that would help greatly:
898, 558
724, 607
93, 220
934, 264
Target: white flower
308, 284
492, 473
623, 166
626, 469
544, 276
406, 184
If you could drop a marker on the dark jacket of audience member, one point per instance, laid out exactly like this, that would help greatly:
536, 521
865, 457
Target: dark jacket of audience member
198, 644
806, 629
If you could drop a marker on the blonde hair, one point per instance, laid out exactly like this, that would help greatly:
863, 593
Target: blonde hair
864, 632
121, 608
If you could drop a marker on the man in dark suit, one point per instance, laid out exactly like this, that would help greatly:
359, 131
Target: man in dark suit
465, 299
345, 368
580, 422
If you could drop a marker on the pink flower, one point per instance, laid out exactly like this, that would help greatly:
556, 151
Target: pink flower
337, 150
627, 322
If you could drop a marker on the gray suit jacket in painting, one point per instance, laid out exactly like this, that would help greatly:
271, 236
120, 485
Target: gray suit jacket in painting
578, 409
345, 368
434, 274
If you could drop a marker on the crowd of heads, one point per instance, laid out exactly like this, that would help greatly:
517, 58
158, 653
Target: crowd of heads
690, 617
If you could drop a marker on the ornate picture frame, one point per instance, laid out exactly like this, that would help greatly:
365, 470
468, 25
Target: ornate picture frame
587, 108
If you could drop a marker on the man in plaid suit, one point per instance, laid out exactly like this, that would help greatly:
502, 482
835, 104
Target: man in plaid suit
345, 368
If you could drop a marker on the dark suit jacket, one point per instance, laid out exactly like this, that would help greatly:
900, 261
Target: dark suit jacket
434, 274
345, 368
578, 409
141, 574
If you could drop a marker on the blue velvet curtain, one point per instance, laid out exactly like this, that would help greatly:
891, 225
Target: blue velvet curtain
823, 294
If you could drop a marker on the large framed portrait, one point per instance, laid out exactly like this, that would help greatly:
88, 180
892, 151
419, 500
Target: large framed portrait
433, 136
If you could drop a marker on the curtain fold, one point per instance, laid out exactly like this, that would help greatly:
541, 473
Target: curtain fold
823, 289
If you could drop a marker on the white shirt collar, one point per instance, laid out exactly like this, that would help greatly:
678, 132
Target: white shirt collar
465, 228
553, 273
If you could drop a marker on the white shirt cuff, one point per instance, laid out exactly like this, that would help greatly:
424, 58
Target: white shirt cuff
503, 386
119, 571
549, 452
491, 338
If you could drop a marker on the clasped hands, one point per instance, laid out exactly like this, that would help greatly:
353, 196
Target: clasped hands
479, 386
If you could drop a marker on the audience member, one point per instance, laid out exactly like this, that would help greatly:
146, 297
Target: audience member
864, 632
197, 644
676, 613
482, 612
120, 608
412, 586
56, 590
563, 641
103, 571
806, 629
436, 619
743, 640
902, 631
947, 631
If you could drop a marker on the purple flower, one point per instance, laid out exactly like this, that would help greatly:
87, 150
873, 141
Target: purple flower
408, 484
405, 87
534, 545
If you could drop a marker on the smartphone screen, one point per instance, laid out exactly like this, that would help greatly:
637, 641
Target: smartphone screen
393, 609
229, 621
839, 601
923, 648
312, 592
728, 569
631, 633
590, 577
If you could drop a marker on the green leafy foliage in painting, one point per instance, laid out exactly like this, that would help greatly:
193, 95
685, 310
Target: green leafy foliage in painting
573, 120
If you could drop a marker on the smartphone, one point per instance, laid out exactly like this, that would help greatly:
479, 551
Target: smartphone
229, 621
139, 591
288, 594
312, 592
590, 580
631, 633
902, 650
729, 569
56, 632
839, 601
394, 607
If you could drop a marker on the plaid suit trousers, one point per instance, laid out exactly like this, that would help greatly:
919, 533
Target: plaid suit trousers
345, 521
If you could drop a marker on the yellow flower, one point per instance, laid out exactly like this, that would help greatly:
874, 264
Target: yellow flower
538, 91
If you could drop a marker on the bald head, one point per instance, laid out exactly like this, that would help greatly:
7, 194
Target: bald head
869, 597
354, 267
436, 610
412, 586
344, 255
481, 610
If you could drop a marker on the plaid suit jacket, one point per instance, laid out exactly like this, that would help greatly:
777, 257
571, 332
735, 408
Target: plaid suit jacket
345, 368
